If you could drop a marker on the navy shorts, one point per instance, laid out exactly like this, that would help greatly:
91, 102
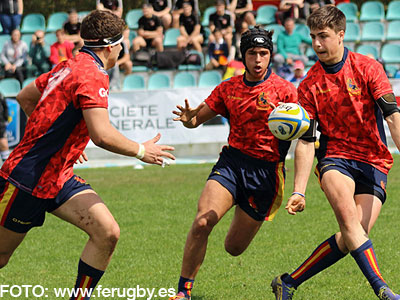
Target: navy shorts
20, 211
367, 178
256, 185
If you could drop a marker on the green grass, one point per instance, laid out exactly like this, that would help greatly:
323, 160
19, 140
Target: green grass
155, 208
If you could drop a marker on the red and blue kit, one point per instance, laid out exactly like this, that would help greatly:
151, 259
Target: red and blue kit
342, 99
56, 133
247, 106
252, 167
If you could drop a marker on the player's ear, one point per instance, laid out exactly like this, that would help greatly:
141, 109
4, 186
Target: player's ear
341, 35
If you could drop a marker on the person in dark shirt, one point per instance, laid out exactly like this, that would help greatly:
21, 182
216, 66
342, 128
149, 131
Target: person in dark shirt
162, 9
222, 20
115, 6
10, 14
150, 32
177, 10
244, 15
190, 28
72, 28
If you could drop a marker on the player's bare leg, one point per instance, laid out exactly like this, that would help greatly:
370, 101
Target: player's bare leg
214, 202
88, 212
241, 232
10, 240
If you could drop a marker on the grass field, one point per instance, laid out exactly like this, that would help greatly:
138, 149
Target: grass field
155, 207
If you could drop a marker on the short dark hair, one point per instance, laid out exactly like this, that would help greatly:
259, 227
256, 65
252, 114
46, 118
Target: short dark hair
100, 24
327, 16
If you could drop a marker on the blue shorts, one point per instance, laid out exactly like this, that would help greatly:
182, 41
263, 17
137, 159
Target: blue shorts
256, 185
368, 179
20, 211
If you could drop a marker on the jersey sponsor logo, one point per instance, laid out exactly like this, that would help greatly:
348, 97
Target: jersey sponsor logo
323, 91
15, 220
263, 102
234, 97
103, 92
352, 87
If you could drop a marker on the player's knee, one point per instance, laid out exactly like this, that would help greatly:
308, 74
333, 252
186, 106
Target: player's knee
108, 236
203, 225
233, 249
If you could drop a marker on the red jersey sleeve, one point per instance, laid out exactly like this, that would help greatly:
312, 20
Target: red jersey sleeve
41, 81
378, 83
306, 99
216, 100
92, 90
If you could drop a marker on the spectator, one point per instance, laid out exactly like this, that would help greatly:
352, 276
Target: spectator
72, 28
150, 32
244, 15
114, 6
4, 150
190, 29
60, 50
290, 9
312, 5
162, 9
221, 20
218, 51
14, 56
40, 62
178, 10
288, 46
124, 59
298, 73
10, 14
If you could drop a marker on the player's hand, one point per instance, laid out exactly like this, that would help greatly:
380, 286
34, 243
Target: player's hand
296, 203
82, 158
186, 114
155, 154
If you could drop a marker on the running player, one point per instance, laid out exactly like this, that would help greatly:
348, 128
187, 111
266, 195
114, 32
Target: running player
348, 95
250, 171
65, 107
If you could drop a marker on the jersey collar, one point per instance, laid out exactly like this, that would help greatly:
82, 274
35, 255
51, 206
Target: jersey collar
91, 53
332, 69
255, 83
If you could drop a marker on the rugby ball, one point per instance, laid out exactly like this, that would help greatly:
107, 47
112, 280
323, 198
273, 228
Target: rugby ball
288, 121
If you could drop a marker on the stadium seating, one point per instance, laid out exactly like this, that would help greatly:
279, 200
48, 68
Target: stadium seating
183, 80
393, 31
206, 16
27, 38
132, 18
352, 32
9, 87
28, 81
393, 11
158, 81
368, 49
390, 53
350, 10
3, 39
391, 70
303, 30
33, 22
56, 21
133, 82
372, 11
266, 14
277, 28
373, 31
209, 78
170, 37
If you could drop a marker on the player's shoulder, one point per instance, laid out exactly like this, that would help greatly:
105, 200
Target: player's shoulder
280, 83
84, 61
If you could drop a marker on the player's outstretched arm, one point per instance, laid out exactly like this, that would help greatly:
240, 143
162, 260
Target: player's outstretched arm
393, 122
193, 117
104, 135
303, 161
28, 98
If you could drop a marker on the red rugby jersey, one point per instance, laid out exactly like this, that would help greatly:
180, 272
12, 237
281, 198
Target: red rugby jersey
247, 108
56, 133
344, 105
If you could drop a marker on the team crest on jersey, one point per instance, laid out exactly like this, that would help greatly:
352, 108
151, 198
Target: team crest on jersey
352, 87
263, 101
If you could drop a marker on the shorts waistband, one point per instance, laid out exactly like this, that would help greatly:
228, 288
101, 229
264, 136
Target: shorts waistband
249, 159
